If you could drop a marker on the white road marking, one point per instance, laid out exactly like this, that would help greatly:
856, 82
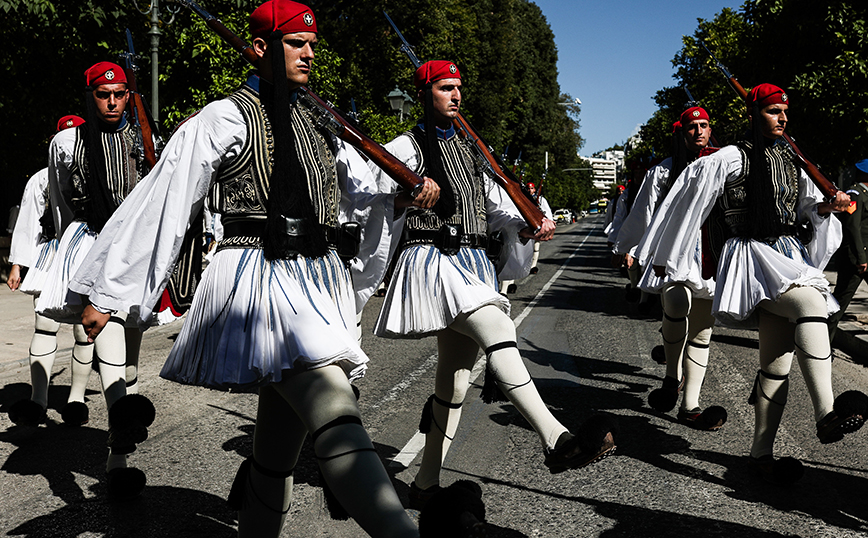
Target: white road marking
416, 443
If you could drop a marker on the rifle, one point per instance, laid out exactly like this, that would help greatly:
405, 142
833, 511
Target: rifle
502, 176
328, 118
826, 187
140, 116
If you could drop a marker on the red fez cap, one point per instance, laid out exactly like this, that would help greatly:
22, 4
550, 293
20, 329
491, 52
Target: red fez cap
767, 94
676, 126
104, 73
68, 122
284, 16
692, 114
529, 185
433, 71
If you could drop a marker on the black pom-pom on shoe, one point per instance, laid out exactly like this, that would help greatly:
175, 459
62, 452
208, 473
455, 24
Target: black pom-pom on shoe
125, 483
710, 420
658, 355
665, 398
27, 413
456, 511
129, 418
75, 414
849, 412
780, 472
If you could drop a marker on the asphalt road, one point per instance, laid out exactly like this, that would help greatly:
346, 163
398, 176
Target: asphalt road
588, 350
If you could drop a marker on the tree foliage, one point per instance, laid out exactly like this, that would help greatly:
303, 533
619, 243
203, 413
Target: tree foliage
504, 48
816, 51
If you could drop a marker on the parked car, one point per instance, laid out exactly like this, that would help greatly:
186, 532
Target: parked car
563, 216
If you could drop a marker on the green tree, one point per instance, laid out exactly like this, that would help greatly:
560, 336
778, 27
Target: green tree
816, 51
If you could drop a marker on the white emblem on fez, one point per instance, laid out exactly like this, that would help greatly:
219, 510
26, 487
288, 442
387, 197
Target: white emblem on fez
69, 123
695, 113
308, 19
109, 75
453, 69
784, 97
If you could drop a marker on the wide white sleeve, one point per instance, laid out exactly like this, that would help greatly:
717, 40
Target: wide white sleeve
670, 240
828, 232
546, 208
138, 247
368, 199
503, 216
25, 238
614, 228
644, 205
60, 188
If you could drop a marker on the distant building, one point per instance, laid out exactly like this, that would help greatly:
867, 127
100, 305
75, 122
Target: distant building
607, 167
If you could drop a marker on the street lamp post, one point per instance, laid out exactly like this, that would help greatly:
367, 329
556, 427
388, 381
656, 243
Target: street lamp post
400, 102
154, 12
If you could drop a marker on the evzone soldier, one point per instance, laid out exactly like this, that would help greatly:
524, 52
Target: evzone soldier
91, 169
508, 286
275, 311
34, 244
687, 296
769, 275
852, 257
443, 285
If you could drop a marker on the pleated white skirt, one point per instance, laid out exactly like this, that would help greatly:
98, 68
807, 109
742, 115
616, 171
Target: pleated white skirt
252, 321
702, 288
428, 290
37, 275
56, 301
752, 271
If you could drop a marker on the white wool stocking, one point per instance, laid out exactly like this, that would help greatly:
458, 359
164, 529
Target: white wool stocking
323, 401
676, 301
772, 383
133, 341
43, 350
810, 338
82, 364
110, 350
456, 357
700, 323
494, 331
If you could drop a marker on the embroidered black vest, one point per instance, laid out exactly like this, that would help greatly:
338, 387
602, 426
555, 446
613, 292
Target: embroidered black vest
730, 216
464, 175
240, 191
123, 168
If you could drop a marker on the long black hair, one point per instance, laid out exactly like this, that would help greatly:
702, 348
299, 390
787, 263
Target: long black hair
764, 221
100, 203
445, 206
289, 195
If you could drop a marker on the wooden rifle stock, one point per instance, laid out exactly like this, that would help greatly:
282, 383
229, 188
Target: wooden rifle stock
527, 207
344, 130
138, 108
331, 119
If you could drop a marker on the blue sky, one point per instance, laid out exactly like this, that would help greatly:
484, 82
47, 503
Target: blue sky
615, 54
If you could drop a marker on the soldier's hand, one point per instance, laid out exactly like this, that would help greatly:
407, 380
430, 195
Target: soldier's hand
14, 279
628, 261
426, 198
546, 231
840, 203
93, 321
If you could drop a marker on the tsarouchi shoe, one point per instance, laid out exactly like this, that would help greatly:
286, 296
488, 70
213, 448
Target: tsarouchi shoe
780, 472
710, 420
